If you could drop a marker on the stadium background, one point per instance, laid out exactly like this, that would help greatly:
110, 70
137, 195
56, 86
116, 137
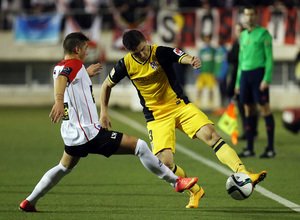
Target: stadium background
25, 66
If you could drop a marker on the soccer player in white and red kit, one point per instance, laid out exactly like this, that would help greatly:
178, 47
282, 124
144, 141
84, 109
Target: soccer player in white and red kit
80, 129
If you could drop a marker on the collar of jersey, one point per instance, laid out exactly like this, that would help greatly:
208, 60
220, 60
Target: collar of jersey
145, 60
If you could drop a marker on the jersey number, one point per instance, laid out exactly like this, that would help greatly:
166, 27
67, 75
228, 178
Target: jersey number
150, 135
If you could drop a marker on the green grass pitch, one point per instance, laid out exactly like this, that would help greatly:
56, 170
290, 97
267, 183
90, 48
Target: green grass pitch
121, 188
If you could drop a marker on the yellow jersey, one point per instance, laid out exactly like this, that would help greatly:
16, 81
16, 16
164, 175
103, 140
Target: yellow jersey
154, 79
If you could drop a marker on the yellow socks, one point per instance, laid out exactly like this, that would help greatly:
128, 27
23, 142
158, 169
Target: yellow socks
177, 170
228, 156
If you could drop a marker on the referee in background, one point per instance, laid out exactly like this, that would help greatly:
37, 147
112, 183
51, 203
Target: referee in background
254, 76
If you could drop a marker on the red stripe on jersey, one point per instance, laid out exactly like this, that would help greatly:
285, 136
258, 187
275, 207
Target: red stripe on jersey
78, 116
74, 64
96, 127
87, 104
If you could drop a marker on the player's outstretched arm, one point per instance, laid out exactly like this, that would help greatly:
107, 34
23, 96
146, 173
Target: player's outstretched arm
94, 69
58, 109
195, 62
105, 95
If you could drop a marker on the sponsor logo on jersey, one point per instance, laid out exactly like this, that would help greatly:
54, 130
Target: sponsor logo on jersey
154, 65
178, 52
67, 70
113, 135
66, 107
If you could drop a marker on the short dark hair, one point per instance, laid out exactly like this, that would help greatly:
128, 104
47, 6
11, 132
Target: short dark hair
132, 39
73, 40
251, 7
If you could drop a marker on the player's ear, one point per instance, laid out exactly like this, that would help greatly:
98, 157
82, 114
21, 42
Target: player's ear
77, 50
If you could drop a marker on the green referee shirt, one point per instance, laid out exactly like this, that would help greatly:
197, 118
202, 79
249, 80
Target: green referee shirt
255, 52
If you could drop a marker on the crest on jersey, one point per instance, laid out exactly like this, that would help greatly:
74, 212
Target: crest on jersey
178, 52
67, 70
112, 72
154, 65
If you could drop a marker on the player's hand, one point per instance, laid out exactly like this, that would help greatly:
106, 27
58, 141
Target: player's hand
196, 62
94, 69
263, 85
105, 122
237, 90
57, 112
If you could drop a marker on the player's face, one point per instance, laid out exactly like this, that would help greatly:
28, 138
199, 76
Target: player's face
238, 30
142, 51
250, 17
83, 52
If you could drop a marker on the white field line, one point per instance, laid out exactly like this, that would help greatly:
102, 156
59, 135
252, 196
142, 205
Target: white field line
206, 161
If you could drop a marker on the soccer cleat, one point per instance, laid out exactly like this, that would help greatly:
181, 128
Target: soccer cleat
257, 177
185, 183
25, 206
194, 198
268, 154
247, 153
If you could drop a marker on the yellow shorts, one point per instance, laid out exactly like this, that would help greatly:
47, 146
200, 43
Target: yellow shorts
205, 80
187, 118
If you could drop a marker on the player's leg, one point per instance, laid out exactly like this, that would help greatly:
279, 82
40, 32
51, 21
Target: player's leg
211, 82
196, 192
138, 147
226, 154
223, 151
199, 85
49, 180
162, 138
250, 127
249, 84
270, 127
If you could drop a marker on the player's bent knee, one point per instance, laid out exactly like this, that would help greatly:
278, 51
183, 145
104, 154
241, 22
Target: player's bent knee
141, 147
208, 134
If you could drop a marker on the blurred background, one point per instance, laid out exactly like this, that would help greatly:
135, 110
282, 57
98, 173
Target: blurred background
31, 34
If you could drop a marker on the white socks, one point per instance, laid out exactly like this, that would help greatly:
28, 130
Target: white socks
153, 164
148, 159
48, 181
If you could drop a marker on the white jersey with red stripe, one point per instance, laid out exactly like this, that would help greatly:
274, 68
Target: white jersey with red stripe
81, 123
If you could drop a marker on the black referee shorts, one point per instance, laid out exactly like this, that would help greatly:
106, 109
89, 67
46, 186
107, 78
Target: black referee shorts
105, 143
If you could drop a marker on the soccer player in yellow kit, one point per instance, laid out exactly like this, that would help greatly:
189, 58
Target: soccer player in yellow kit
150, 69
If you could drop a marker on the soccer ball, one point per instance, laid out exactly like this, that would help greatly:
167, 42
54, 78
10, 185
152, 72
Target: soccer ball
239, 186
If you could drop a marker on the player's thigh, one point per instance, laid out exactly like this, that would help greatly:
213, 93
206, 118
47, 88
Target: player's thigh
162, 134
127, 145
256, 77
245, 89
69, 161
190, 119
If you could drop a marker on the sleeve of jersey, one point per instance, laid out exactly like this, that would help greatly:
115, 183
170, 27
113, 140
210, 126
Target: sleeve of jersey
170, 54
71, 69
118, 72
239, 72
269, 57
